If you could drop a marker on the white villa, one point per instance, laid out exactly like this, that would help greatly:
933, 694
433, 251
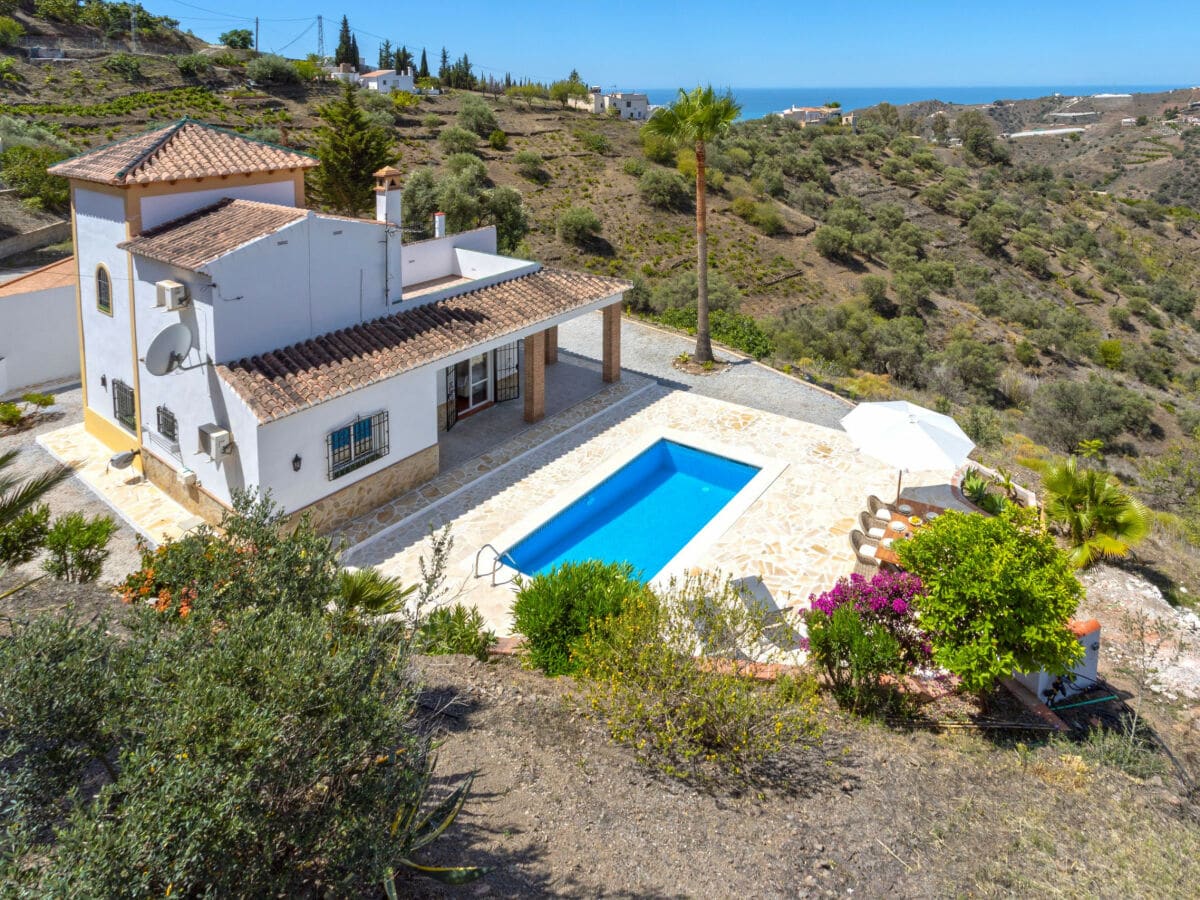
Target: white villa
385, 81
812, 115
628, 105
234, 339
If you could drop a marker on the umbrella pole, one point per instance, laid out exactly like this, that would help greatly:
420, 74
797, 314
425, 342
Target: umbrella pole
899, 478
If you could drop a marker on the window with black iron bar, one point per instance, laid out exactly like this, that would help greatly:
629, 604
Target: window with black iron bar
123, 410
352, 446
167, 426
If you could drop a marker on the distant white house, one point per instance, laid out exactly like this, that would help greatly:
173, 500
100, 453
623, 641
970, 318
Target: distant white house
385, 81
1128, 122
812, 115
39, 341
627, 105
345, 72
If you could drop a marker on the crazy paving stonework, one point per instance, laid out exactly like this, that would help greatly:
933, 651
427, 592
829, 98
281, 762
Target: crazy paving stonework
794, 537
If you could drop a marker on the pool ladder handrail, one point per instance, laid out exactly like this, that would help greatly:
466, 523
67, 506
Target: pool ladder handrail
496, 564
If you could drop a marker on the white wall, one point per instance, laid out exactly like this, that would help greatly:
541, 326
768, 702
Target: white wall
410, 400
426, 260
309, 278
39, 340
100, 226
164, 207
193, 393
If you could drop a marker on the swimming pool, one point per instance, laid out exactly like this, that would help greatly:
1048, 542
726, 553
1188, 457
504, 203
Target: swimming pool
645, 513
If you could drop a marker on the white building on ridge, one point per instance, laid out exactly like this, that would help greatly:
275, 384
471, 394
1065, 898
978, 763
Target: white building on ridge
387, 80
235, 339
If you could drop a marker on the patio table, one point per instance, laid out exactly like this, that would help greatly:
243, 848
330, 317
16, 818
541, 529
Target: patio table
886, 554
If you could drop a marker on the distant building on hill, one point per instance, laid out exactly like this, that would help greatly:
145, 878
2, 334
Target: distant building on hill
345, 72
627, 105
1128, 122
387, 80
1086, 115
812, 115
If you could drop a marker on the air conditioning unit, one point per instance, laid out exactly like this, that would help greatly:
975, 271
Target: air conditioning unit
171, 295
186, 477
215, 440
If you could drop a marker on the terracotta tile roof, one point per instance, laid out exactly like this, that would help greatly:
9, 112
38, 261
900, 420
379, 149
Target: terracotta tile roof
377, 72
285, 381
185, 149
209, 233
57, 274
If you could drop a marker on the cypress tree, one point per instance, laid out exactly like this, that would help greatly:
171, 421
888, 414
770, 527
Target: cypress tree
351, 150
385, 55
356, 57
444, 68
343, 54
423, 71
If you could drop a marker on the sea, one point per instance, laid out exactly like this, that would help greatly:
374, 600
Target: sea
758, 102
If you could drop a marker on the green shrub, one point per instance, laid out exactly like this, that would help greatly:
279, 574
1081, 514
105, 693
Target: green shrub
11, 415
432, 120
664, 677
23, 535
468, 167
249, 563
24, 170
458, 140
664, 190
1063, 413
634, 166
983, 426
657, 149
997, 595
594, 141
456, 629
578, 225
271, 69
855, 656
529, 165
77, 546
1119, 316
834, 242
1110, 354
553, 611
238, 38
11, 31
477, 117
194, 65
126, 65
254, 756
763, 216
498, 140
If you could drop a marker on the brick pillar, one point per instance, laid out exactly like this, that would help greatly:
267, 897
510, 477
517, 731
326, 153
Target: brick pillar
551, 345
535, 377
611, 339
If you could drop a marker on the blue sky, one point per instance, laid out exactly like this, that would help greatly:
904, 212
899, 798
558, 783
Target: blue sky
782, 43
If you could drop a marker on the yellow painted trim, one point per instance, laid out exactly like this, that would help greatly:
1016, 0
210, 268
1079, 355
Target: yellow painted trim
102, 267
112, 436
83, 379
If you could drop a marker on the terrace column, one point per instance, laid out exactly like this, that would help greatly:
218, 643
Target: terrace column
535, 377
611, 340
551, 345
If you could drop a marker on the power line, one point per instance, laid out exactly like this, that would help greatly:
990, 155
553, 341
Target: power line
310, 27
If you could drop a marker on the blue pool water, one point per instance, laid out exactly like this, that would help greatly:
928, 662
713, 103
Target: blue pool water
643, 514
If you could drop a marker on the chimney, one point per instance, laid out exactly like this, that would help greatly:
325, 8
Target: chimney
439, 224
387, 210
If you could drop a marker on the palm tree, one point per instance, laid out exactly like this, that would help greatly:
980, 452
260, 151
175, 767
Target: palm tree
695, 119
365, 595
17, 495
1098, 518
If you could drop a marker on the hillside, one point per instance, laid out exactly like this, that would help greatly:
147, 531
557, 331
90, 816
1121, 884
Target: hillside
1041, 289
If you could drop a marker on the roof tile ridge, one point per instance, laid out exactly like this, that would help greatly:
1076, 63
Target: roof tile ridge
144, 156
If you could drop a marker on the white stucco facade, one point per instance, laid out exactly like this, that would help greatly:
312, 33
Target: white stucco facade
39, 341
385, 81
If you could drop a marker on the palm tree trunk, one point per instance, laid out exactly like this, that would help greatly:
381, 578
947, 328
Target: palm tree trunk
703, 340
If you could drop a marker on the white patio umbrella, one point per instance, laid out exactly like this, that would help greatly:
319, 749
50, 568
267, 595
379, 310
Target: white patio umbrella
907, 436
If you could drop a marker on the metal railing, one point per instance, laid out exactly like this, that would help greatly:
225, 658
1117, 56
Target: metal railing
497, 565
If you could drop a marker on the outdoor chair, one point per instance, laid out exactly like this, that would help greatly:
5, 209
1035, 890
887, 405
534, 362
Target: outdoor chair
872, 527
879, 509
864, 548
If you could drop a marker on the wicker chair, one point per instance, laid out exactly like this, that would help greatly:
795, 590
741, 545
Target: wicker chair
872, 527
879, 510
864, 548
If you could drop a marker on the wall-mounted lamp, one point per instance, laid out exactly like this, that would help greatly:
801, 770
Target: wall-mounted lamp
296, 461
104, 381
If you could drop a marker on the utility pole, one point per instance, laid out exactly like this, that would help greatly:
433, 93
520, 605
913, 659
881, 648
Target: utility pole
133, 27
321, 39
256, 34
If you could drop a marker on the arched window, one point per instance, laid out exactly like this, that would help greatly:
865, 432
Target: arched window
103, 290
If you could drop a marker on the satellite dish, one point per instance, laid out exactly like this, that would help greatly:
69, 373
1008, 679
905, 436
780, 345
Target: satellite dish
123, 460
168, 349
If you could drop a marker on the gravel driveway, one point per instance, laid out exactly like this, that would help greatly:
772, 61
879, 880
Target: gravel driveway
650, 351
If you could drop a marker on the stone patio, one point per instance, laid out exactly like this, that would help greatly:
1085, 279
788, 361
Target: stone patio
791, 542
145, 508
